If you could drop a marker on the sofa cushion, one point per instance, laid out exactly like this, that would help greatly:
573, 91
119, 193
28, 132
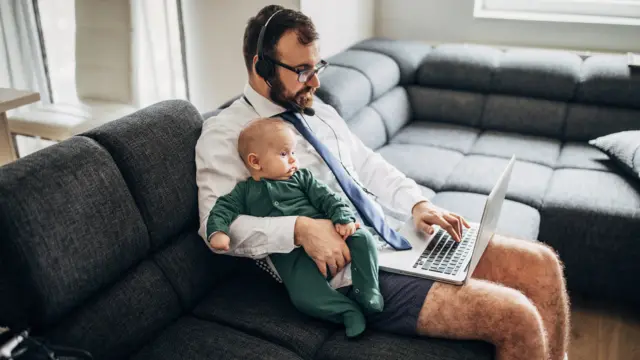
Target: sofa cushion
368, 125
255, 303
586, 122
192, 268
123, 317
581, 155
479, 173
459, 66
516, 219
447, 136
592, 219
153, 149
623, 148
504, 145
426, 192
546, 74
69, 227
524, 115
346, 89
451, 106
394, 108
382, 346
427, 165
190, 338
608, 80
382, 71
604, 193
407, 54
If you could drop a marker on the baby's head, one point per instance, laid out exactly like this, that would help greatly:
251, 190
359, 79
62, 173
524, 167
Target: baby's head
267, 148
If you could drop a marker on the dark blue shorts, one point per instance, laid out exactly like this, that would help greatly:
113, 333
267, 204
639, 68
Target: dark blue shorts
403, 299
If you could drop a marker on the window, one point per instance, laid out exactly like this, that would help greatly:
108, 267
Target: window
58, 22
73, 52
159, 71
21, 60
620, 12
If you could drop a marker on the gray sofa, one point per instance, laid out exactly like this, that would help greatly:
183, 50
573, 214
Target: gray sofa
99, 248
462, 110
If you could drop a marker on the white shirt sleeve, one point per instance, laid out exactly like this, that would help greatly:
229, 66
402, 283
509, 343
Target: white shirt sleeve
218, 170
389, 184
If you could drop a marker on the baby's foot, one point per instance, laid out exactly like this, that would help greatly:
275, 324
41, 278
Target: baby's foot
354, 323
370, 300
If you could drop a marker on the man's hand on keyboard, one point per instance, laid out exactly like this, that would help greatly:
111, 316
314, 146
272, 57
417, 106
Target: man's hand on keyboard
426, 214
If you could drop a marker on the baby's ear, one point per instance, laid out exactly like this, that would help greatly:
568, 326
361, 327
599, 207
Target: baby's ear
253, 161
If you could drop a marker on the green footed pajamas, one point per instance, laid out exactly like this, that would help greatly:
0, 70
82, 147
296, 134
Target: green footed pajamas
303, 195
310, 292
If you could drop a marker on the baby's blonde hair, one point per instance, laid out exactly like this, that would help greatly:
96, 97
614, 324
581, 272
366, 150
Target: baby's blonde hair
258, 132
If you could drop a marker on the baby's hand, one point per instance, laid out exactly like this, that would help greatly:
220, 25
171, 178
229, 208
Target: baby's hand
220, 241
346, 230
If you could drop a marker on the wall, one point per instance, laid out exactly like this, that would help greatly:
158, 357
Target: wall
452, 21
213, 35
340, 23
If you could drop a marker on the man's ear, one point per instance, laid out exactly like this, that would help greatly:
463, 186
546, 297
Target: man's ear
253, 161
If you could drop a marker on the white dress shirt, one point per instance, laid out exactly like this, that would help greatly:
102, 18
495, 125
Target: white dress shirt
219, 168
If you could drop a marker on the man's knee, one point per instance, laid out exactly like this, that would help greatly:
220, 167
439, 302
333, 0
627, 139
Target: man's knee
516, 318
549, 263
549, 256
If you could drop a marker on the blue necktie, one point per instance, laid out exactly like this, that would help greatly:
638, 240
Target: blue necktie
358, 197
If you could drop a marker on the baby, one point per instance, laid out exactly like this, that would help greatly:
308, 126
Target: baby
277, 187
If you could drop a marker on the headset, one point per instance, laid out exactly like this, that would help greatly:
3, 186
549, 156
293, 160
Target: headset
264, 67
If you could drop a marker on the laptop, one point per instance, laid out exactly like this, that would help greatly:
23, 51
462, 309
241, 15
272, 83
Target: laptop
438, 256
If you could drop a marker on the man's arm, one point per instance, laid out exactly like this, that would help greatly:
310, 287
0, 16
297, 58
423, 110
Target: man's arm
391, 186
218, 170
400, 192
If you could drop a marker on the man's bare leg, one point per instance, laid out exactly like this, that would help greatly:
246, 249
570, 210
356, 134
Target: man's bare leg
482, 310
534, 269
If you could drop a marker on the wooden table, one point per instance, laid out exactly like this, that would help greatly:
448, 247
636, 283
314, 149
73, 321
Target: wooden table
11, 99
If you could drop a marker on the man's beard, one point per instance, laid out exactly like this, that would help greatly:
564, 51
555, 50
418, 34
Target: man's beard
303, 98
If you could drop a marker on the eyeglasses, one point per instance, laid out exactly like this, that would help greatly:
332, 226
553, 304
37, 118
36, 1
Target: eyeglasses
305, 74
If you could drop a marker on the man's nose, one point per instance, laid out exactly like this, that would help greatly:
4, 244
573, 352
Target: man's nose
314, 81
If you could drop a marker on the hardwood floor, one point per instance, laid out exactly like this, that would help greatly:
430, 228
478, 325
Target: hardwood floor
601, 333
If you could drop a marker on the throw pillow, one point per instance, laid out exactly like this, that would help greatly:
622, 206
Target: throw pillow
623, 148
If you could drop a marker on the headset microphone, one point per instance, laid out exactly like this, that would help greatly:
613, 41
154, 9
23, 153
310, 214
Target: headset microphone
309, 111
306, 111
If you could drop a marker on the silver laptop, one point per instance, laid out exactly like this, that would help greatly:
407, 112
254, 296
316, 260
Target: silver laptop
438, 256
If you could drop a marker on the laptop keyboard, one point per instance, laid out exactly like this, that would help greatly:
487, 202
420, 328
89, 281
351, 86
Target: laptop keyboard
444, 255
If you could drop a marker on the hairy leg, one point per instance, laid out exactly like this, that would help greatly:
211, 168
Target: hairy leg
482, 310
534, 269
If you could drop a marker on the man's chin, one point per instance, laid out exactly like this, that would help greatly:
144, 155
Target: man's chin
305, 102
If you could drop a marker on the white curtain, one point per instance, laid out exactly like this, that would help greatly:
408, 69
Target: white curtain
159, 72
157, 67
21, 58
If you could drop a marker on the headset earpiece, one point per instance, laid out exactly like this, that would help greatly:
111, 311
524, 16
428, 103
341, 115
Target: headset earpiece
264, 68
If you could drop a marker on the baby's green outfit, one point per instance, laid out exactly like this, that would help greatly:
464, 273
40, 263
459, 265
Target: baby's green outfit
303, 195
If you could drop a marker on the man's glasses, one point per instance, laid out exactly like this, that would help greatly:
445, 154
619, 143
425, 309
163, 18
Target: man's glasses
305, 74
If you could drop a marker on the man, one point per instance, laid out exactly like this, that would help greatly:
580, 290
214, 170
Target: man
516, 298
